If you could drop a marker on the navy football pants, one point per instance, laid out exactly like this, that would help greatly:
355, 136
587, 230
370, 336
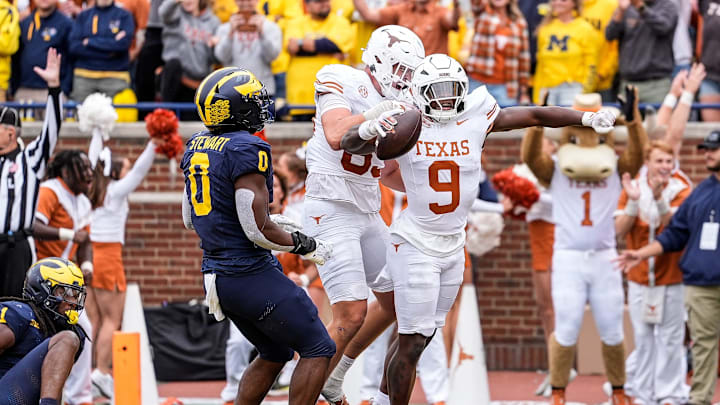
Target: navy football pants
274, 314
21, 384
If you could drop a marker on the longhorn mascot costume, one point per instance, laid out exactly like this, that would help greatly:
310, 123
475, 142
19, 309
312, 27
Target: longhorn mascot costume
584, 181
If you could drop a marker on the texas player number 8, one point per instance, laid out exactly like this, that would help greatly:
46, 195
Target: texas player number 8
453, 186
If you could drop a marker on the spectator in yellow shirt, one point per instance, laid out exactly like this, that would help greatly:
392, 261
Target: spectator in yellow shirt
567, 54
314, 40
599, 13
9, 43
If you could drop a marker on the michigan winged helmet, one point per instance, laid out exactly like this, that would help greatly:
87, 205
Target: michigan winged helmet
54, 280
233, 99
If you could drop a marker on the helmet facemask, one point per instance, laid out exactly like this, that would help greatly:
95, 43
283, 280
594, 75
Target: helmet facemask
255, 118
442, 100
60, 293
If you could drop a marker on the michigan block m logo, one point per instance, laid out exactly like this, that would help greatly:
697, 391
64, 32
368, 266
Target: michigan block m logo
562, 43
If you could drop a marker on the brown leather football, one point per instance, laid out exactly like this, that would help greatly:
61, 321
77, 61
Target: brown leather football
403, 137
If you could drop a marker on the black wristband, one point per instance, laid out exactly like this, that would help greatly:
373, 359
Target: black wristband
303, 244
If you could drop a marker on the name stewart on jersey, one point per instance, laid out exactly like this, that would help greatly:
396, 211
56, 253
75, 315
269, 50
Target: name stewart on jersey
216, 143
442, 149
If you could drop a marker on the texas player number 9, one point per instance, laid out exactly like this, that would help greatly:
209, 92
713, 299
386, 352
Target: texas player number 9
453, 186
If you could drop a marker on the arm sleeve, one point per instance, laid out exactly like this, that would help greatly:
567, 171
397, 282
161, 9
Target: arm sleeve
271, 41
325, 45
10, 317
135, 176
524, 57
77, 35
169, 11
675, 236
39, 150
9, 31
661, 19
389, 15
615, 29
223, 50
110, 44
47, 203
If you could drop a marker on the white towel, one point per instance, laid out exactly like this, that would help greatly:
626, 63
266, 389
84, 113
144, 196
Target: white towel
213, 302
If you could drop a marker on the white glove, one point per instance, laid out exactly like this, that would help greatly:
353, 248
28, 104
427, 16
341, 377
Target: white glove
379, 126
602, 121
287, 224
321, 254
387, 105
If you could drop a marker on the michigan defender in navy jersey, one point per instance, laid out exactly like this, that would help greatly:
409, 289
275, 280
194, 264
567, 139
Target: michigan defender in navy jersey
228, 184
39, 338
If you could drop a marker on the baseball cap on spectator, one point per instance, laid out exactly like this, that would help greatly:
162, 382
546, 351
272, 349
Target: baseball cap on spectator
711, 141
10, 116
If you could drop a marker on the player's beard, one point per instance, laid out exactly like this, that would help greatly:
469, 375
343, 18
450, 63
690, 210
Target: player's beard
324, 14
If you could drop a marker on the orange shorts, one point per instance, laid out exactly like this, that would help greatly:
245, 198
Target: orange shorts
109, 273
542, 237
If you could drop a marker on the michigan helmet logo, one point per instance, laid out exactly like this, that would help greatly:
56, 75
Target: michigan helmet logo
233, 99
56, 285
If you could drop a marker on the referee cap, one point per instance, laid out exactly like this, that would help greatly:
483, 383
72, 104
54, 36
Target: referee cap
10, 116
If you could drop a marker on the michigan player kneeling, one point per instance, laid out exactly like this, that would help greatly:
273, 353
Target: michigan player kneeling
39, 338
228, 185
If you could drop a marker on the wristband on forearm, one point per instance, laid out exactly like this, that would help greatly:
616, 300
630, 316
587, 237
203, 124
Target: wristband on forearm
631, 208
66, 234
670, 101
687, 97
87, 266
305, 280
662, 206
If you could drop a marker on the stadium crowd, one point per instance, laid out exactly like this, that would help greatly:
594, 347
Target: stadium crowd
140, 50
522, 51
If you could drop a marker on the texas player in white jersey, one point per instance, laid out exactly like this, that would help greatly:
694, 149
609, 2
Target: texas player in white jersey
441, 176
342, 199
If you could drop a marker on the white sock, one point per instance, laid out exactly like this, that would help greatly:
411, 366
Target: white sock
342, 368
381, 398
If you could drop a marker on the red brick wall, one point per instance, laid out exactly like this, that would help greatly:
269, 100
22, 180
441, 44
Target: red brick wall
164, 258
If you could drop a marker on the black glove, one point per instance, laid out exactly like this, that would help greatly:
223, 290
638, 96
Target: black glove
303, 244
627, 103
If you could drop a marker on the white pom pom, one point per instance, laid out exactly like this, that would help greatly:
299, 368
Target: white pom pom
483, 232
97, 112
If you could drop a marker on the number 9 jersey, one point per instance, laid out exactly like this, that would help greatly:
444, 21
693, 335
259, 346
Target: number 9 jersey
211, 164
442, 176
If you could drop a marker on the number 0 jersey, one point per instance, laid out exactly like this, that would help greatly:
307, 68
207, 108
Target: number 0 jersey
442, 177
336, 174
211, 165
583, 211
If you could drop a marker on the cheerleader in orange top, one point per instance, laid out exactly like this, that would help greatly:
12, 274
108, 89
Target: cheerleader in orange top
115, 179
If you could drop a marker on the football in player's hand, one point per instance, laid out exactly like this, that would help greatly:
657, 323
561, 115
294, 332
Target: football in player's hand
403, 137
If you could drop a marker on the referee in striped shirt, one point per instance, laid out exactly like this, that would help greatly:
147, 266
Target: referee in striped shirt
21, 171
